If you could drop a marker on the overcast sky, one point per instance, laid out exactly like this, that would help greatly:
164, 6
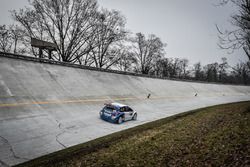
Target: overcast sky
187, 26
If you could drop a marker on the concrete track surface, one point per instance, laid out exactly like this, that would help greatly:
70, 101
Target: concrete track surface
45, 108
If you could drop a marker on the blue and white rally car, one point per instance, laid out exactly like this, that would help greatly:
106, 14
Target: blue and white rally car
117, 113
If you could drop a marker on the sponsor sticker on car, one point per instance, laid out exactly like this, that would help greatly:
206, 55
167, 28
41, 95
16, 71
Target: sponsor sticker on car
107, 114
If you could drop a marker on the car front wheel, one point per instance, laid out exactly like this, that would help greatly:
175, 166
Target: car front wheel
120, 120
134, 117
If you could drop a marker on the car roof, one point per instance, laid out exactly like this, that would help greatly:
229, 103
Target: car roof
118, 105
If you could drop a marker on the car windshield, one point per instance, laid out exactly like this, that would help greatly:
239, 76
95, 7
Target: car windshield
110, 108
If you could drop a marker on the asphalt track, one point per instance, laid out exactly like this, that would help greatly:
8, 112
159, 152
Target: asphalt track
45, 108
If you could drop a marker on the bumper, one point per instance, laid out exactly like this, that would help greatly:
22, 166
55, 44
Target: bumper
108, 118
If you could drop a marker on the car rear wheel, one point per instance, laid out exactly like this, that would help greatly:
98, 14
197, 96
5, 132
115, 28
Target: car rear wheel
134, 117
120, 120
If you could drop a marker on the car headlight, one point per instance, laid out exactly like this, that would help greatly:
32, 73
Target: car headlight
113, 117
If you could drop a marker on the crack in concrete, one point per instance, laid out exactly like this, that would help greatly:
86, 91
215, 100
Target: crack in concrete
58, 141
3, 164
70, 127
59, 124
64, 130
12, 150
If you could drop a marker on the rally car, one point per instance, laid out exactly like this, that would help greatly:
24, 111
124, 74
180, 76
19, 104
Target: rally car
117, 113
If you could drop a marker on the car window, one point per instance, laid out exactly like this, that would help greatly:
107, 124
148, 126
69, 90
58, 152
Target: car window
126, 109
129, 109
110, 108
123, 109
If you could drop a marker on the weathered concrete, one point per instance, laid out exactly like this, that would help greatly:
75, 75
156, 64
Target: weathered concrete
45, 108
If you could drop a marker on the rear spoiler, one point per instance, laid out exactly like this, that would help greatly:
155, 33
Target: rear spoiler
107, 104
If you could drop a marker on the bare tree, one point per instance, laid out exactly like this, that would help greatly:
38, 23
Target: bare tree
183, 71
67, 23
108, 34
175, 68
147, 51
198, 72
17, 36
163, 67
171, 67
222, 70
240, 37
9, 38
211, 72
127, 59
5, 39
241, 73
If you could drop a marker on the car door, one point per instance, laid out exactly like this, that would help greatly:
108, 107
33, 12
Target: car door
128, 113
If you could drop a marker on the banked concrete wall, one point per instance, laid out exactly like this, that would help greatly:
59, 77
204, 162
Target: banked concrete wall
46, 106
29, 80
